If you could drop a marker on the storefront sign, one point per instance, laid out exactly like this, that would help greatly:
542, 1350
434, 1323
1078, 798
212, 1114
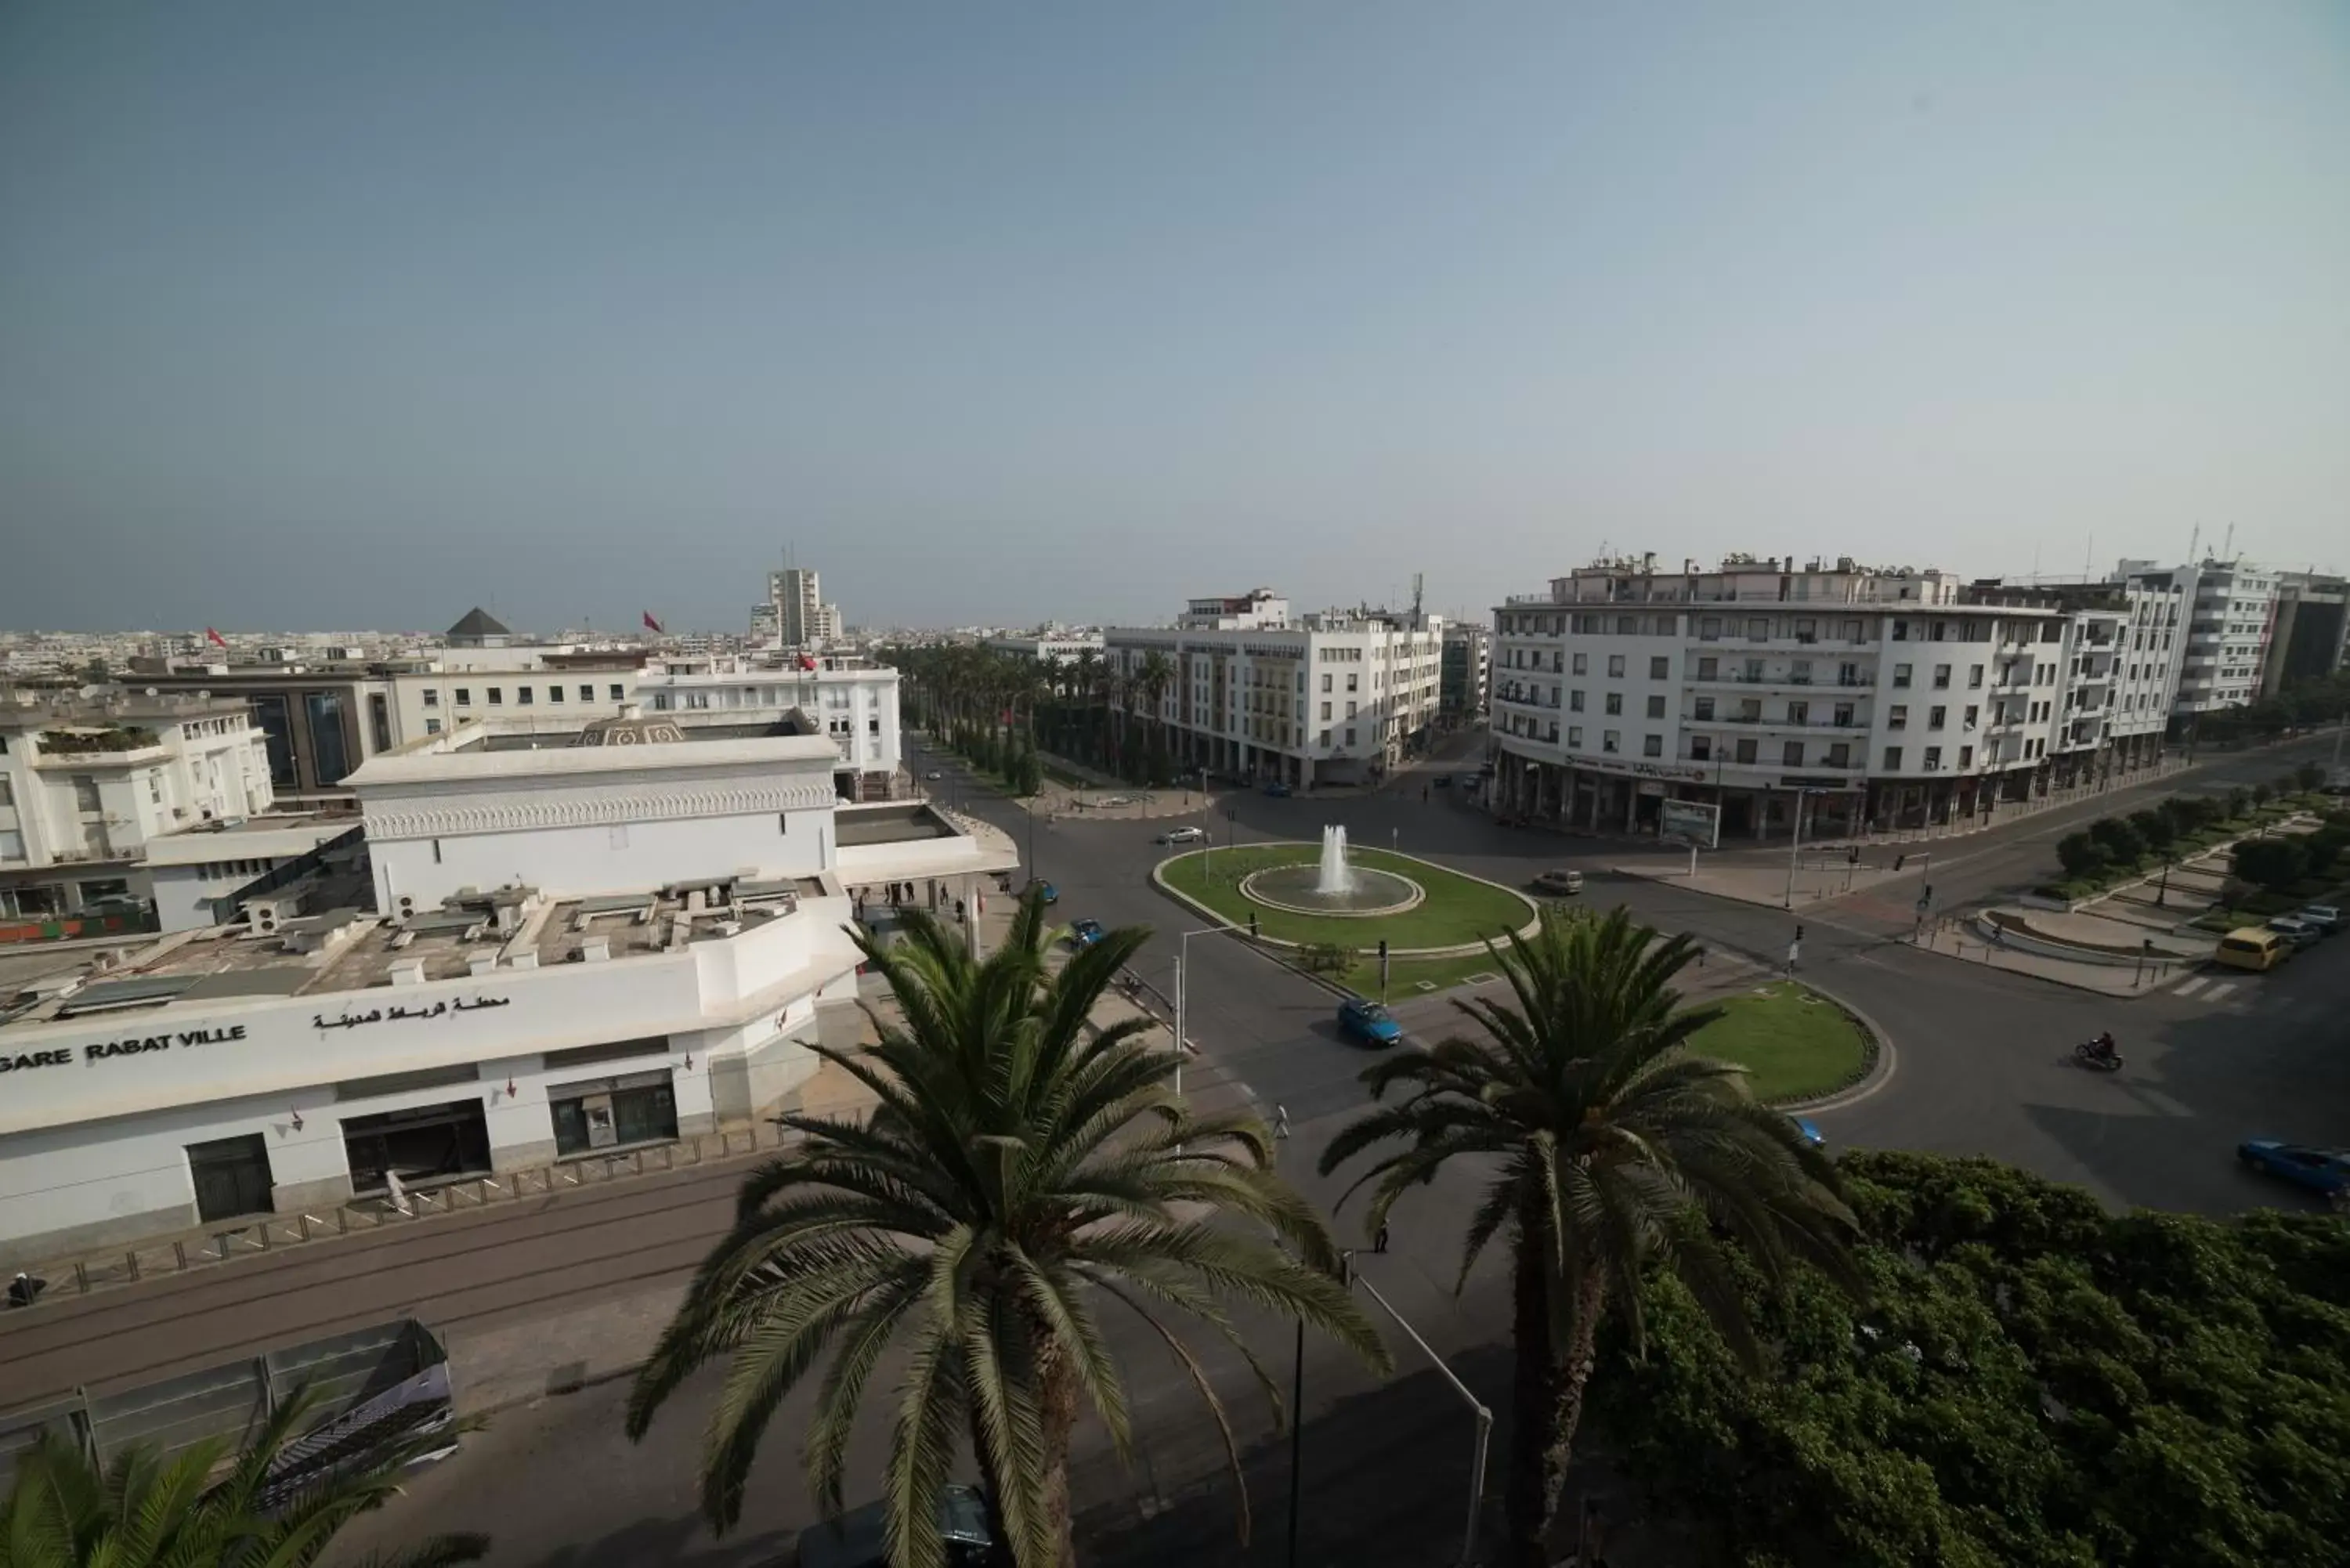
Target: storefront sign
398, 1014
1640, 770
57, 1056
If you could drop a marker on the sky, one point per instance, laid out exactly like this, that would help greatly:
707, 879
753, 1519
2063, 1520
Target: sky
356, 315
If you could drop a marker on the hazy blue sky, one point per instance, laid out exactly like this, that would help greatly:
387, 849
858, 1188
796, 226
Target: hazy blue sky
356, 313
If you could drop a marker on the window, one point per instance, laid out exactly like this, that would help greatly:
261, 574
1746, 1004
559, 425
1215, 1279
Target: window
1898, 718
1709, 628
324, 709
1702, 709
616, 691
1611, 740
1933, 758
1758, 629
1799, 712
1574, 736
1746, 752
1351, 710
1750, 710
1615, 664
1709, 668
1325, 707
1941, 631
523, 696
1660, 667
1352, 680
1900, 675
84, 788
7, 791
1574, 701
464, 697
1652, 746
1700, 748
1754, 670
1350, 734
1843, 715
1614, 701
1808, 630
1583, 664
1840, 754
432, 697
555, 693
1974, 676
1966, 756
1972, 714
1656, 707
497, 696
1936, 717
1942, 676
1847, 674
1900, 631
431, 726
1791, 754
1892, 759
1325, 683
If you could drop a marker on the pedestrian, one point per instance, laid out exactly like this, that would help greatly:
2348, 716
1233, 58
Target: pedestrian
1280, 1120
399, 1194
1379, 1241
958, 911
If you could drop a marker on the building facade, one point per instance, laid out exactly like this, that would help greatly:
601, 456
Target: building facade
2308, 641
803, 620
543, 953
1237, 687
851, 700
1464, 682
2230, 608
87, 787
1051, 648
1848, 698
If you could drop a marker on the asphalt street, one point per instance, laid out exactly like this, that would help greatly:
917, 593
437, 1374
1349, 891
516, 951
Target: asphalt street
1980, 1066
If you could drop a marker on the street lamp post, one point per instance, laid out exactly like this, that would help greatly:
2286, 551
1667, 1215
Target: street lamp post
1796, 847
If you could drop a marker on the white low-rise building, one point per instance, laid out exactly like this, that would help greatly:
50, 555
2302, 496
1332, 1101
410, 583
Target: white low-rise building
2230, 611
1239, 686
1051, 648
1867, 699
850, 701
567, 950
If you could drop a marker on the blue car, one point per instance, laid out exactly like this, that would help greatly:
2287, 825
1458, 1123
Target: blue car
1044, 890
1367, 1022
1812, 1135
1085, 933
1278, 790
2325, 1171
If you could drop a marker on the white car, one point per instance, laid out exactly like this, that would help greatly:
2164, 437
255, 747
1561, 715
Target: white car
934, 775
2299, 932
1183, 836
2326, 917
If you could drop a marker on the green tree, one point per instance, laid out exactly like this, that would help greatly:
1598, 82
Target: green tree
2159, 829
2272, 863
2123, 843
1605, 1147
2308, 777
2239, 802
151, 1510
1017, 1175
2263, 795
2325, 847
2080, 855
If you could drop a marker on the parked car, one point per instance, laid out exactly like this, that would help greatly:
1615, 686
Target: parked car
2252, 948
1183, 836
2296, 931
933, 776
857, 1539
1362, 1019
2325, 1171
2326, 917
1560, 884
1042, 889
1278, 790
1085, 933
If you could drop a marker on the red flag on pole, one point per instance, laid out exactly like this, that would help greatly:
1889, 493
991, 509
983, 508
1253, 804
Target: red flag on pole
650, 624
807, 661
212, 636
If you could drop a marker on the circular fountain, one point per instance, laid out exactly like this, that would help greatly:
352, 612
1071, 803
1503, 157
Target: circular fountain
1334, 887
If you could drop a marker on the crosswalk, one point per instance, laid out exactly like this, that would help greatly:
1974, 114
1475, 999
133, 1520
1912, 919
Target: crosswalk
2207, 988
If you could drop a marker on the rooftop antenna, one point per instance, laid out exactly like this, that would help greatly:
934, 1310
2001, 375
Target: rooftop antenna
1416, 623
2193, 540
2088, 557
2228, 549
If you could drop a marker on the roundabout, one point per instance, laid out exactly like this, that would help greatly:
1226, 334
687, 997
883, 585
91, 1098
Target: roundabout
1300, 894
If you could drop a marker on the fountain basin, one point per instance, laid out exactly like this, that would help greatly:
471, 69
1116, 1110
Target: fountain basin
1301, 889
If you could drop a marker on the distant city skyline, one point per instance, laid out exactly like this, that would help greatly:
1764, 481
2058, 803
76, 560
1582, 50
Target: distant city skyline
353, 317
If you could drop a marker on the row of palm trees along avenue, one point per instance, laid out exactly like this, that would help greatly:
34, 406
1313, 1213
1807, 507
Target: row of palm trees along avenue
1022, 1177
989, 704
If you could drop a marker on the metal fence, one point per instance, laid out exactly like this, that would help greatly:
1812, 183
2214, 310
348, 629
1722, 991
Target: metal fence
362, 1377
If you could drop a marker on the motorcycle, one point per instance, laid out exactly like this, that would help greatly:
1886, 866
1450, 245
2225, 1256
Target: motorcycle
2103, 1061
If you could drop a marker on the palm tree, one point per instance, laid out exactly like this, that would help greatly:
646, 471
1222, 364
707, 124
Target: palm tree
1016, 1176
1157, 673
147, 1509
1606, 1148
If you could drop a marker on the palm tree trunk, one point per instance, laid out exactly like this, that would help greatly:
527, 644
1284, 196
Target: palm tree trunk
1060, 1419
1547, 1401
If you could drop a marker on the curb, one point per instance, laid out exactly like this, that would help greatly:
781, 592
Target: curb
1459, 949
1884, 1061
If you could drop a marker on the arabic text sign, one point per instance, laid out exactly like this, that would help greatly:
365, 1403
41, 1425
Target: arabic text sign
398, 1014
1694, 821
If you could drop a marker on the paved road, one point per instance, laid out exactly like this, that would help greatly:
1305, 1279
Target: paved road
1981, 1069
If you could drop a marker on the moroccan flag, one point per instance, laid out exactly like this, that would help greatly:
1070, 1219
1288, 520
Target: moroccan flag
212, 635
650, 624
806, 662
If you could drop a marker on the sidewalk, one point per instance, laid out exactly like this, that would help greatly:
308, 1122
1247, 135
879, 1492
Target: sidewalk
1815, 882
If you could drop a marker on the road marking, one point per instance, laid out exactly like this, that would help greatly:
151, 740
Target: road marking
2223, 989
2190, 987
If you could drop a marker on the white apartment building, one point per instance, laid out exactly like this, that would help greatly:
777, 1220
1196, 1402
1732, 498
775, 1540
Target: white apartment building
87, 787
853, 702
1866, 698
1051, 648
1337, 697
2230, 614
803, 620
543, 953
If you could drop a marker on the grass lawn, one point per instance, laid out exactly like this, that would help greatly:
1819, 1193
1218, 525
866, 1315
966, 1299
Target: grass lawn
1407, 976
1457, 909
1794, 1042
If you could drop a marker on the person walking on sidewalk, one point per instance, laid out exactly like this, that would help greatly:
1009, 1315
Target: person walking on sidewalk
398, 1194
1280, 1120
1379, 1241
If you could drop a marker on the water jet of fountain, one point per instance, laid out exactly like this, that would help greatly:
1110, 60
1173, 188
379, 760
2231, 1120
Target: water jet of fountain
1337, 878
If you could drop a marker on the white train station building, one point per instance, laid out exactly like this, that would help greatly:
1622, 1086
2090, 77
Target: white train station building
542, 950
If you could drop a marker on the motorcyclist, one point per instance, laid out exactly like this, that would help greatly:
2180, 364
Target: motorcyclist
2103, 1046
